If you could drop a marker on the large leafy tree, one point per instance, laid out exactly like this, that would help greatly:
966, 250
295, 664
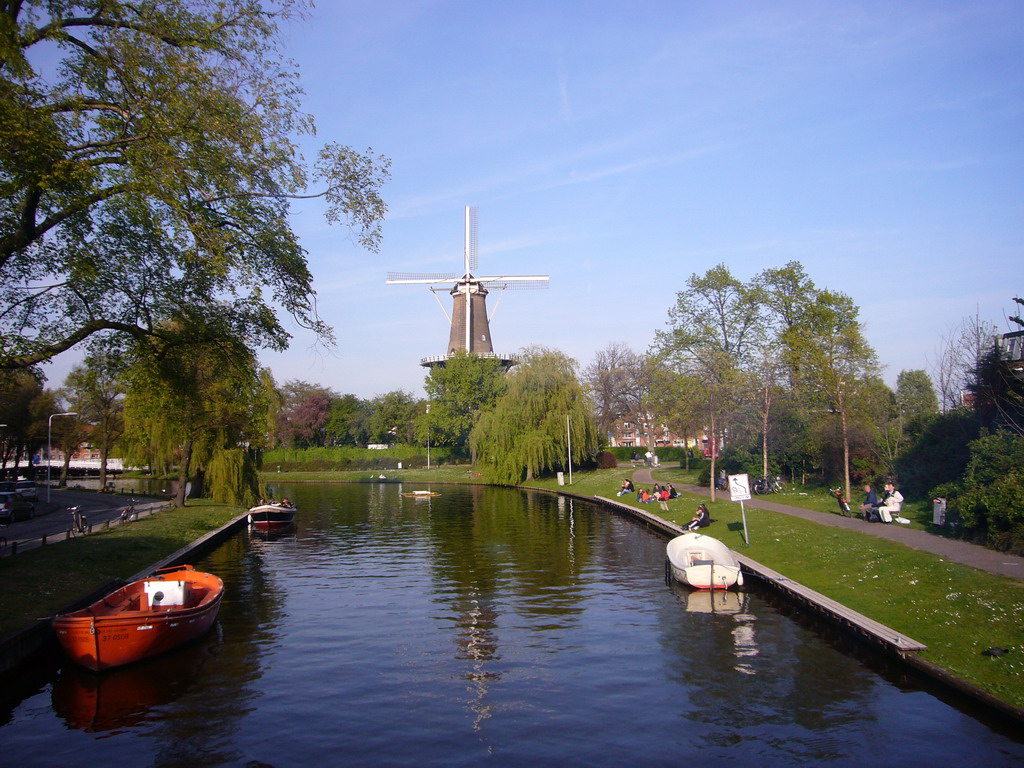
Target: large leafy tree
708, 340
529, 429
834, 360
392, 418
147, 159
346, 421
305, 409
95, 390
20, 414
459, 391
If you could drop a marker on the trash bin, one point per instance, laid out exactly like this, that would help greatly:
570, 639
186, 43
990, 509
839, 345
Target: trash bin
939, 511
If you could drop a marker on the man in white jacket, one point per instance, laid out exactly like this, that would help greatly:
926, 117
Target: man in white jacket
892, 502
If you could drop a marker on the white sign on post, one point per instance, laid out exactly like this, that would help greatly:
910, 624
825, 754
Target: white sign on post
739, 487
739, 490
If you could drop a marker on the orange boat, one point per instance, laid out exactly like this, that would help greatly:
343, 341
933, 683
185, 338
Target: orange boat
142, 619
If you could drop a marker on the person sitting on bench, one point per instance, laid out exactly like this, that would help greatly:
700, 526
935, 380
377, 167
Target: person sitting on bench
892, 502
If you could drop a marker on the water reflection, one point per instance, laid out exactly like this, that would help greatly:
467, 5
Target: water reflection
98, 702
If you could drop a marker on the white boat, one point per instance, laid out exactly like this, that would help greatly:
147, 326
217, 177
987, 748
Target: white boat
703, 562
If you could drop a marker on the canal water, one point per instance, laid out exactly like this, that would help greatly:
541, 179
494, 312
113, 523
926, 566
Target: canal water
487, 625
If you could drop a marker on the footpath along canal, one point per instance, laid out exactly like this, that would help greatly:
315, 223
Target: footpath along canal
952, 549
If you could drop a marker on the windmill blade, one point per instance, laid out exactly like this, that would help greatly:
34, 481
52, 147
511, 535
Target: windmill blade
516, 283
421, 277
471, 252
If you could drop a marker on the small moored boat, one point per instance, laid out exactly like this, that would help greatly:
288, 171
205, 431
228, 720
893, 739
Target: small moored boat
703, 562
142, 619
272, 515
421, 494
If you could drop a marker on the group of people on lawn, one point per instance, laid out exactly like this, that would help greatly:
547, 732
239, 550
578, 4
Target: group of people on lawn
645, 496
663, 493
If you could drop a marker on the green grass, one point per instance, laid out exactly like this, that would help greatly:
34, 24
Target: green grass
38, 582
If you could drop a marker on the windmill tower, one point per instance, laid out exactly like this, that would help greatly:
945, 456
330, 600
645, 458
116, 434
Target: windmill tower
470, 325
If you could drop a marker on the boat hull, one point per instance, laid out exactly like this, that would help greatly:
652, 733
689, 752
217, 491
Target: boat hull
134, 622
703, 562
271, 516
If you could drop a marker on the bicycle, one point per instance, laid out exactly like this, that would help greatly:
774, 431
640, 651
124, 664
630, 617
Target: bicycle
763, 485
79, 522
129, 513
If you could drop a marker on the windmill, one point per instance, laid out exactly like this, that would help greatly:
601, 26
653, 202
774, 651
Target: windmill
470, 326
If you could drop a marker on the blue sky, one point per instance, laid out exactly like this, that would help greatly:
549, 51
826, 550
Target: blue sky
621, 147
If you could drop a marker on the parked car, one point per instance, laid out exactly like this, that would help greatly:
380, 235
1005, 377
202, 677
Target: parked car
13, 507
27, 489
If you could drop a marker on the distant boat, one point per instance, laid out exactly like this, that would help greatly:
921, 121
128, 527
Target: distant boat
141, 619
272, 515
703, 562
421, 494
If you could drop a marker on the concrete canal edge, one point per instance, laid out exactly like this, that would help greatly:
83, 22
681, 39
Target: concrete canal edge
15, 649
891, 643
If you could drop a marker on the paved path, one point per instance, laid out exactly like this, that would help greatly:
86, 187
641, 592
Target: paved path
951, 549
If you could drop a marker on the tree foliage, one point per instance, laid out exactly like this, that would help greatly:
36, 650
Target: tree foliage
184, 406
707, 340
147, 160
458, 392
528, 431
95, 389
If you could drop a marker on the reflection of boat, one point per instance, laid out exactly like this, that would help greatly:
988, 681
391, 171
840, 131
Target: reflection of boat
120, 698
277, 533
271, 515
703, 562
713, 601
142, 619
421, 494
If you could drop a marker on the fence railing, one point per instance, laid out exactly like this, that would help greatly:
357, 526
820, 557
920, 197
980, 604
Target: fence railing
11, 548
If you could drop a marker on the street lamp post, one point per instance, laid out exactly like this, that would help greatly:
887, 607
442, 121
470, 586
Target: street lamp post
428, 435
49, 450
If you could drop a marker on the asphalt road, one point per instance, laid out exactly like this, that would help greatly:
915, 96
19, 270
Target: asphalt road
53, 517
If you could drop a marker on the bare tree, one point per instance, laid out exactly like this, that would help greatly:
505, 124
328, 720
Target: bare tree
617, 382
958, 356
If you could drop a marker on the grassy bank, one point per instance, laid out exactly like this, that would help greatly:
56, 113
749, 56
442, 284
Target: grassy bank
38, 582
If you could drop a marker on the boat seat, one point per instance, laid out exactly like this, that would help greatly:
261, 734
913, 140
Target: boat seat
698, 561
160, 594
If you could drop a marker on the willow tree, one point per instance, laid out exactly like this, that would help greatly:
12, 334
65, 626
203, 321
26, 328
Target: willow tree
529, 430
187, 406
148, 157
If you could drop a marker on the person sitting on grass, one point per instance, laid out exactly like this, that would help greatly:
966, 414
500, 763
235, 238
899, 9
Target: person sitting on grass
701, 519
627, 487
